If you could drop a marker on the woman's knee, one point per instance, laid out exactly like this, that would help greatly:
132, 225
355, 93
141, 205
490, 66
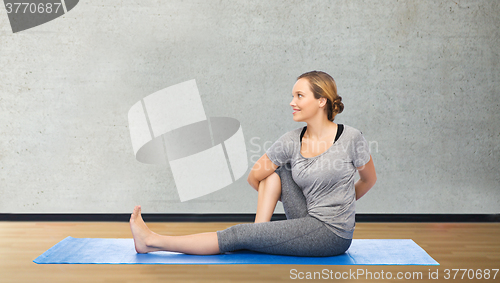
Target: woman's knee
271, 181
274, 178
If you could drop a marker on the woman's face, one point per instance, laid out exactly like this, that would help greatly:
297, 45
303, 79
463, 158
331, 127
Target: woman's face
304, 104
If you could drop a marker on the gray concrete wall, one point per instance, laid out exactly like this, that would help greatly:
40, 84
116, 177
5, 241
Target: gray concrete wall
420, 79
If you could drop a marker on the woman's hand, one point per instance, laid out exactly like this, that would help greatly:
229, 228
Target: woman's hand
367, 179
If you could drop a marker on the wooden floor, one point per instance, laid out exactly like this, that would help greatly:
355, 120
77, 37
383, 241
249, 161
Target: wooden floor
453, 245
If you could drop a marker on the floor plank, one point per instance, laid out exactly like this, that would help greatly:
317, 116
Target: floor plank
454, 245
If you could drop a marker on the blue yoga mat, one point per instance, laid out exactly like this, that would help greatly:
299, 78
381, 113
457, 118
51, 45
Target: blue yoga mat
122, 251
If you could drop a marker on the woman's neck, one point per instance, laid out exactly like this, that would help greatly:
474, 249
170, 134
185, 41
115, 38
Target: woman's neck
320, 130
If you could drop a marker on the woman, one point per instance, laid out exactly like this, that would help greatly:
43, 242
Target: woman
310, 169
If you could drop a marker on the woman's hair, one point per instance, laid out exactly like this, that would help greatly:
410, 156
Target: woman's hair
323, 85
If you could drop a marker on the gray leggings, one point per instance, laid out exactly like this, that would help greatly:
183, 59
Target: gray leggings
299, 235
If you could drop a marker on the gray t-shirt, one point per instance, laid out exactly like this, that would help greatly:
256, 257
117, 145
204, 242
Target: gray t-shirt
327, 180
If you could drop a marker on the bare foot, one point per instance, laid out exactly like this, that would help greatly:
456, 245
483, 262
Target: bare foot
142, 234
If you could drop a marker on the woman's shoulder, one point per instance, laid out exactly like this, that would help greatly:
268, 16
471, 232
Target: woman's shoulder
293, 134
351, 131
349, 128
294, 131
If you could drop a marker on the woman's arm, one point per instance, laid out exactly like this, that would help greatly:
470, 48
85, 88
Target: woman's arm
261, 170
368, 177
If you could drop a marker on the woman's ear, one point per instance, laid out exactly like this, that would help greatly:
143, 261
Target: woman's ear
322, 101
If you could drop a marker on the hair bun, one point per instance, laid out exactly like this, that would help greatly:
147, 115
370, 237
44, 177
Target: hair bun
338, 106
